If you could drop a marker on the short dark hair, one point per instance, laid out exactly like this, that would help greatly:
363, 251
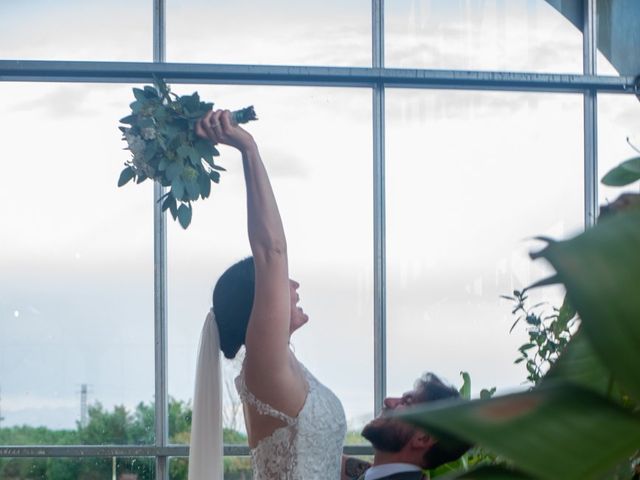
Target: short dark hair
232, 304
430, 389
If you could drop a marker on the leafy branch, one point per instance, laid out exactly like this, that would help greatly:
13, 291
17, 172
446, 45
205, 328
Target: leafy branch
549, 333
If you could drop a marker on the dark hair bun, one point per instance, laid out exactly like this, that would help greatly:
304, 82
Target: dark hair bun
232, 304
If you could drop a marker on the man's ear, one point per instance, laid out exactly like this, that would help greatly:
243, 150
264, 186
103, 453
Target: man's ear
422, 441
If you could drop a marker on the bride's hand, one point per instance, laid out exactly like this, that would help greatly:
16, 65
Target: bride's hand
218, 127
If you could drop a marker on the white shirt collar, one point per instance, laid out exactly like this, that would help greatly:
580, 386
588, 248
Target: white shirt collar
381, 471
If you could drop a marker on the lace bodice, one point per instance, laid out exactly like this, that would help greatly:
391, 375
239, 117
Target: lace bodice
309, 446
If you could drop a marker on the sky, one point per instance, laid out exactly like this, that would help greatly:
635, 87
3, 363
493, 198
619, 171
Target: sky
471, 178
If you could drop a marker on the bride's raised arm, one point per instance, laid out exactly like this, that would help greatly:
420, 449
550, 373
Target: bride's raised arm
267, 352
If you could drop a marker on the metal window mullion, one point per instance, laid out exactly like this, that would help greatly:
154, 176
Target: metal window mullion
295, 75
160, 278
102, 451
590, 116
379, 275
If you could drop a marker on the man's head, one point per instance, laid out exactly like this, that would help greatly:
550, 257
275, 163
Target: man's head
401, 442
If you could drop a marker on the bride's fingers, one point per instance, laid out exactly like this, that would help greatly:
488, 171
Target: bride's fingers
225, 121
215, 124
205, 125
200, 129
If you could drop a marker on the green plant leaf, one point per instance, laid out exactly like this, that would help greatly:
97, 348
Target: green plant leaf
601, 272
173, 208
177, 188
214, 176
624, 174
554, 431
151, 92
205, 185
183, 151
168, 202
465, 390
193, 189
580, 365
129, 119
127, 174
487, 393
487, 472
184, 215
173, 170
205, 149
139, 94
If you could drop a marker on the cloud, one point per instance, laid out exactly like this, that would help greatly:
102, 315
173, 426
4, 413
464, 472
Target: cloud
70, 101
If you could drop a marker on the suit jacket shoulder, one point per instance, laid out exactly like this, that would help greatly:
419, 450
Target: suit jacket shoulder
402, 476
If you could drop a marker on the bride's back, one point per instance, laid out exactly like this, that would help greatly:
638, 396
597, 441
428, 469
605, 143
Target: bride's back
305, 446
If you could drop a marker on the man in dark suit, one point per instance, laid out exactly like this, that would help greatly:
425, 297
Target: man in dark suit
402, 451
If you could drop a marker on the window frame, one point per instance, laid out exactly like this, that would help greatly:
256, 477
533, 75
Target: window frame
377, 78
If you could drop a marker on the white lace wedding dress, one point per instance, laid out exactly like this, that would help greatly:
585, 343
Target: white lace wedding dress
309, 446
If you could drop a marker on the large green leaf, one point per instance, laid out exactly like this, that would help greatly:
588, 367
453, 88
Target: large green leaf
579, 364
601, 272
487, 472
556, 431
624, 174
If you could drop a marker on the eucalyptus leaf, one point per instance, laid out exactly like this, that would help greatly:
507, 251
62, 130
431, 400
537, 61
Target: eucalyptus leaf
150, 150
214, 176
205, 148
166, 204
129, 119
173, 170
184, 151
193, 189
177, 188
151, 92
127, 174
194, 157
184, 215
139, 94
173, 208
205, 185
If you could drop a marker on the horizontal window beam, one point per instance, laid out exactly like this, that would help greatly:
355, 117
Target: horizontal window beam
89, 451
140, 72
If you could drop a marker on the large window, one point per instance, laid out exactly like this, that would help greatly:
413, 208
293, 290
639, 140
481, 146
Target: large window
415, 146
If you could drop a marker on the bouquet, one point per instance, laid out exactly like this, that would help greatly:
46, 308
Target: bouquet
160, 134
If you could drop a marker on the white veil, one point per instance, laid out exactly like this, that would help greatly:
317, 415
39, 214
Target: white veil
205, 454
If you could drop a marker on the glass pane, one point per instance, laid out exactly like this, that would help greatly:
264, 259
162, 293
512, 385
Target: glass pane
618, 37
76, 348
76, 30
518, 35
470, 177
618, 139
105, 468
316, 144
335, 33
235, 468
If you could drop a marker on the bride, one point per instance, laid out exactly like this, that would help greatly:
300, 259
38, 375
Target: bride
296, 426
